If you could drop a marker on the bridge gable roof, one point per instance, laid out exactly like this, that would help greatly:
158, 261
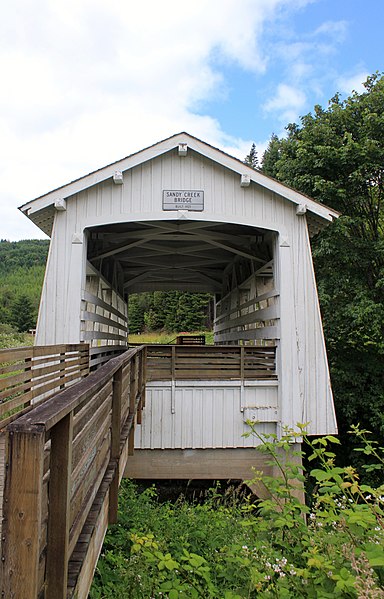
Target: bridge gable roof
41, 209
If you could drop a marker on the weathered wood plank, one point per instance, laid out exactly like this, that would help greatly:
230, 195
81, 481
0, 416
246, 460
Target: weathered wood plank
115, 443
22, 513
59, 509
84, 488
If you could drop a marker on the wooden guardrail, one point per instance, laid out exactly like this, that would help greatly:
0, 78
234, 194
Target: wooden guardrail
210, 362
29, 375
65, 459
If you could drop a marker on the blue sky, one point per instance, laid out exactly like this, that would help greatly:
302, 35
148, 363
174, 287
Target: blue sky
336, 43
86, 82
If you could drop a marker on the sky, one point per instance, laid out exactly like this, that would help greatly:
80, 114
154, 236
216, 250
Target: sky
87, 82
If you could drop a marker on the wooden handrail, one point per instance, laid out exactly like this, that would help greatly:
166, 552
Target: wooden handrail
65, 460
50, 412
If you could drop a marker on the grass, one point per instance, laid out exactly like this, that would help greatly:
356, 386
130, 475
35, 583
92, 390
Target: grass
167, 338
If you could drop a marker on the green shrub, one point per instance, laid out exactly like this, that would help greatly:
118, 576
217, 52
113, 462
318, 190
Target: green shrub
278, 547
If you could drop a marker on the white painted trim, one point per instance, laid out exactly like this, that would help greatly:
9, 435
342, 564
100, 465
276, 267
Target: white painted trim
162, 147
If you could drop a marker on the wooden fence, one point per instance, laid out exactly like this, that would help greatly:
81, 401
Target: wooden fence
30, 375
65, 459
210, 362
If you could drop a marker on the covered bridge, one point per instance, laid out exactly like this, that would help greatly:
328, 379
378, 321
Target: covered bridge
184, 215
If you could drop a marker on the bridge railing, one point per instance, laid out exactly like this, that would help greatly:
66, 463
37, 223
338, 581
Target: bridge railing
29, 375
65, 459
210, 362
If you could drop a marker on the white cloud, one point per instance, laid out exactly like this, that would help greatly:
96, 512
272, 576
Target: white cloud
85, 83
336, 30
348, 84
288, 101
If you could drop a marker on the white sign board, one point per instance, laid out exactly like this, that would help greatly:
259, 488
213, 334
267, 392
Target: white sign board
183, 199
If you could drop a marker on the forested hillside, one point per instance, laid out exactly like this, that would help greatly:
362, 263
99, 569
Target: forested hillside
22, 265
169, 311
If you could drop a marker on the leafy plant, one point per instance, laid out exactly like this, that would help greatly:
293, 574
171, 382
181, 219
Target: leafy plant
236, 549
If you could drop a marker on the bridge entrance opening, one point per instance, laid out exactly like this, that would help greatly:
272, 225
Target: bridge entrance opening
232, 262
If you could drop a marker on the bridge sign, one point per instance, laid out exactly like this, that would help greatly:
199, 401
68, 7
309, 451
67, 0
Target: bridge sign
183, 199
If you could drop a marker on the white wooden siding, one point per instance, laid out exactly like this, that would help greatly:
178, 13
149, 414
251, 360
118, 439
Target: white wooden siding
304, 387
205, 415
104, 318
140, 197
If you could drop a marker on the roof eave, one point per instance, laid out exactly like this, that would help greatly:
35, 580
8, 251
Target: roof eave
215, 154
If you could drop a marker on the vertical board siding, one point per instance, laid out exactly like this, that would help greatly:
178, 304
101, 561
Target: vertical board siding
142, 194
305, 392
315, 386
204, 416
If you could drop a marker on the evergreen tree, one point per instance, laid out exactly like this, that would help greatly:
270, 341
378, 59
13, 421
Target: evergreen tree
136, 312
251, 158
271, 156
22, 314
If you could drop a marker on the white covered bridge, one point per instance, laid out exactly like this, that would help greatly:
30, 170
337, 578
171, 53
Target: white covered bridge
184, 215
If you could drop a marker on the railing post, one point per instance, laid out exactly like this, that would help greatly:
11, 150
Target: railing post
143, 391
242, 356
115, 444
62, 361
132, 403
19, 570
173, 378
59, 508
28, 368
141, 356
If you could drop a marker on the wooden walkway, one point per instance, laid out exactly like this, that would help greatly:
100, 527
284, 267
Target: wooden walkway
65, 459
67, 438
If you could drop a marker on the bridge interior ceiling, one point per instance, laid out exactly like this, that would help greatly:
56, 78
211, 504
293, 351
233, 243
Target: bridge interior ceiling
186, 256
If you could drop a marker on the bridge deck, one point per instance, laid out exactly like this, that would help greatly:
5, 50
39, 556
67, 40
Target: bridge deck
78, 436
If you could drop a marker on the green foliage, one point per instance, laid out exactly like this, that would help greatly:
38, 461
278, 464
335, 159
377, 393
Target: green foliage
251, 159
271, 156
10, 338
169, 311
22, 266
277, 547
22, 254
337, 157
166, 338
22, 316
